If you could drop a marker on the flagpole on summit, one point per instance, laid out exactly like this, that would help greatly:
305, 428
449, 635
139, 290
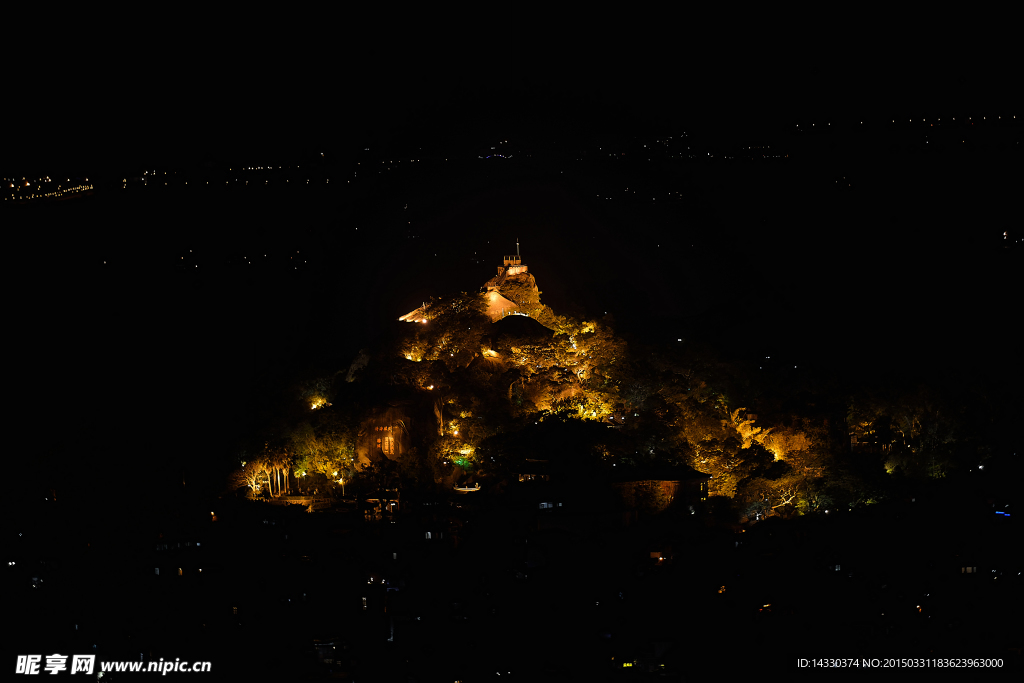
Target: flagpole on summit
517, 246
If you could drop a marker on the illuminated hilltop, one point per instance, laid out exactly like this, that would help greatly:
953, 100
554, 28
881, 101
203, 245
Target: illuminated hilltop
512, 291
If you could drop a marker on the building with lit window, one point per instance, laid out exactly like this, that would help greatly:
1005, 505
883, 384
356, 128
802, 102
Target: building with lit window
384, 432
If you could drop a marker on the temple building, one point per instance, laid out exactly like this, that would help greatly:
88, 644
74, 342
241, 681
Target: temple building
385, 431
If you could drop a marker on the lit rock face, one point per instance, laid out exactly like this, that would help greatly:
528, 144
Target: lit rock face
498, 306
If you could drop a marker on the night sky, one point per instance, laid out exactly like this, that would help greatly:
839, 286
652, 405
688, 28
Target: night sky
150, 326
185, 86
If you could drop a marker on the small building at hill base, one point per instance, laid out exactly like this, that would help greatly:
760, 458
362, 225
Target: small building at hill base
658, 493
384, 432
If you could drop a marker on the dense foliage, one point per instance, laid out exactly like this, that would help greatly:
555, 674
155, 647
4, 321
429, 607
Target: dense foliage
484, 397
